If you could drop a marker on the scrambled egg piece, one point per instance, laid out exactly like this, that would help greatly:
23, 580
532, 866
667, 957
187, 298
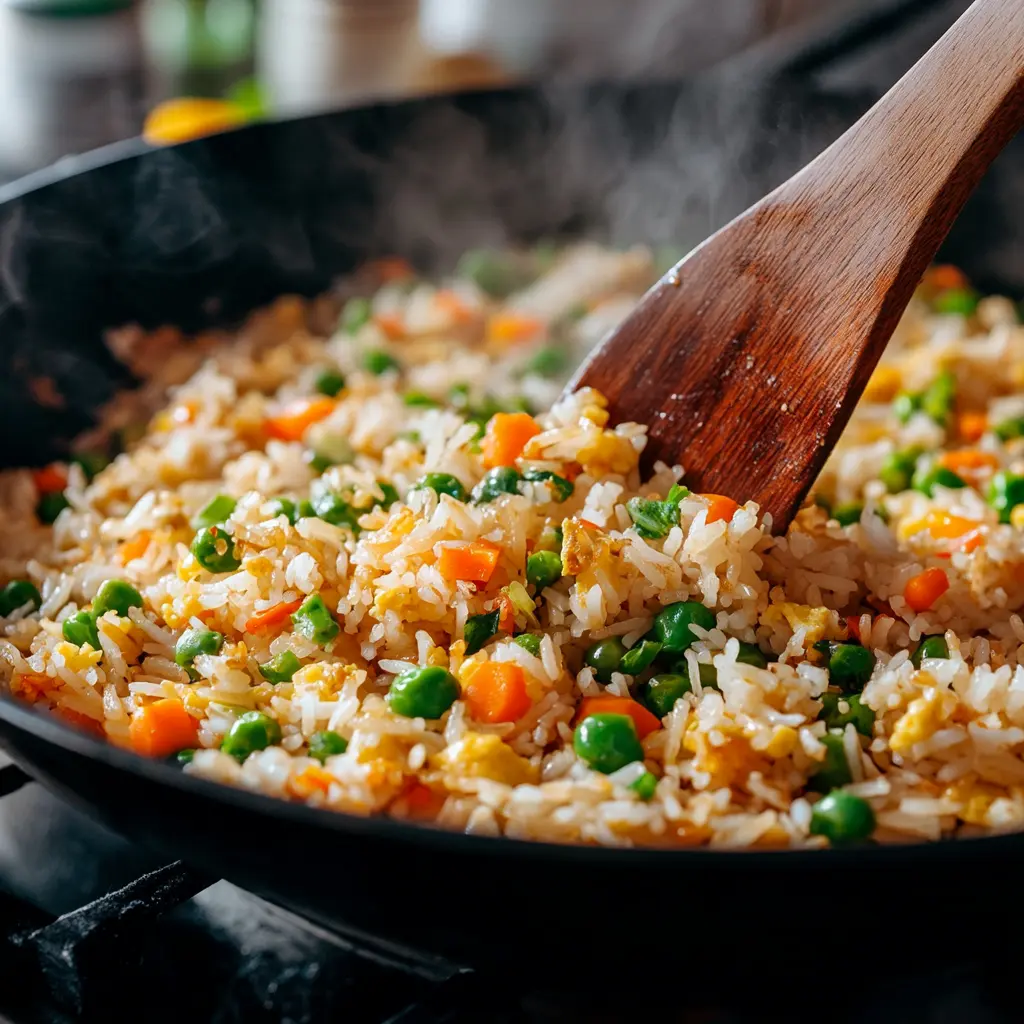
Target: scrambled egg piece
78, 659
584, 549
883, 384
922, 718
727, 764
487, 756
325, 679
783, 742
608, 453
817, 621
976, 798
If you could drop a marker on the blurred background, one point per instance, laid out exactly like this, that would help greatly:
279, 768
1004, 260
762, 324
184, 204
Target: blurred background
77, 74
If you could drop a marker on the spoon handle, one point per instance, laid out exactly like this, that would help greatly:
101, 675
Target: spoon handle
892, 186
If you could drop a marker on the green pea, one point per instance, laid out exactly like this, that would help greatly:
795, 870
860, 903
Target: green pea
708, 676
834, 770
672, 625
857, 712
498, 481
379, 362
356, 314
842, 818
283, 507
645, 786
314, 621
905, 404
280, 668
17, 594
927, 478
184, 757
849, 665
661, 692
496, 273
604, 658
543, 569
548, 362
116, 595
215, 512
607, 743
214, 549
50, 505
251, 732
479, 629
92, 463
442, 483
848, 514
425, 692
751, 654
80, 629
330, 450
418, 400
194, 642
529, 642
956, 302
323, 745
550, 539
1010, 429
329, 382
1005, 493
898, 470
561, 489
334, 509
938, 398
639, 657
930, 647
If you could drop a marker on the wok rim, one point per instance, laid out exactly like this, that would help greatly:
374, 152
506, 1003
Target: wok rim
41, 725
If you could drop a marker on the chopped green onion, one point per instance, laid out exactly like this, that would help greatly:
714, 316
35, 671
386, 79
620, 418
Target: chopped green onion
356, 314
479, 629
215, 512
654, 519
529, 642
561, 488
639, 657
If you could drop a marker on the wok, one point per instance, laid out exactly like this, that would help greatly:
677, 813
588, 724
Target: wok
200, 234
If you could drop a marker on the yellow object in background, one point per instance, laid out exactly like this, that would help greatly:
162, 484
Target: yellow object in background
190, 117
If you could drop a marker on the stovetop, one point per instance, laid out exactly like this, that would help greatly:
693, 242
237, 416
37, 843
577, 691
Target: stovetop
93, 928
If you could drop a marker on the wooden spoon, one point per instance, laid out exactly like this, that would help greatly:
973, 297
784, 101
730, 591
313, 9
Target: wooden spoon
748, 357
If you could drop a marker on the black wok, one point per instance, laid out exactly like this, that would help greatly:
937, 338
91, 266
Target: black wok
202, 233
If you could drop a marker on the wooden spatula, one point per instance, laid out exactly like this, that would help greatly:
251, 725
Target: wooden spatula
747, 358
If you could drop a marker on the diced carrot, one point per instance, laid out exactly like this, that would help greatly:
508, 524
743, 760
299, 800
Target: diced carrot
49, 479
509, 328
924, 589
571, 470
474, 561
506, 437
292, 422
971, 426
853, 627
453, 307
80, 721
720, 507
644, 721
496, 692
392, 268
135, 547
310, 780
946, 276
391, 324
273, 616
31, 686
162, 728
968, 461
507, 618
421, 802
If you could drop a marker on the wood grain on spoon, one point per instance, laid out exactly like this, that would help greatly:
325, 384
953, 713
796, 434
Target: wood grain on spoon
747, 358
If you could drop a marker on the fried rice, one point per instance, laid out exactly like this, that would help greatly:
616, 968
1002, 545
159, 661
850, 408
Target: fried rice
315, 575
